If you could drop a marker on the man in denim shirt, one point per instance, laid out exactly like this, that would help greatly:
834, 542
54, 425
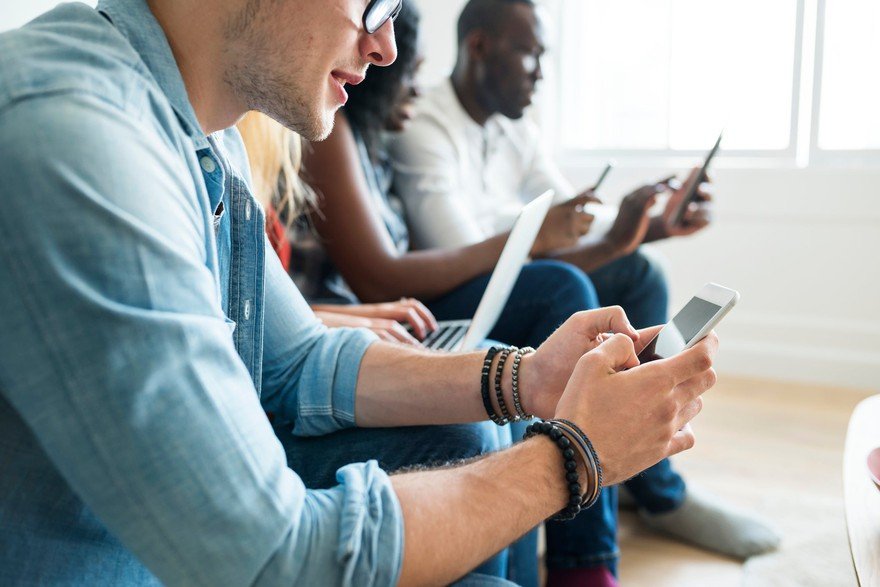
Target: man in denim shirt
144, 330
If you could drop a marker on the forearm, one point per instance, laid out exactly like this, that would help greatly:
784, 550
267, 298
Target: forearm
398, 386
656, 230
589, 256
425, 275
495, 500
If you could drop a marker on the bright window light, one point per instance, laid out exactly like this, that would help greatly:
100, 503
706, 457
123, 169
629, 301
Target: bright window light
849, 114
668, 74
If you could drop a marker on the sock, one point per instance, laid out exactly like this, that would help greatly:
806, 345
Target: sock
709, 523
590, 577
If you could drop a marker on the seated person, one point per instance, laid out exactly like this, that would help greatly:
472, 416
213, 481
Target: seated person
464, 165
274, 154
146, 331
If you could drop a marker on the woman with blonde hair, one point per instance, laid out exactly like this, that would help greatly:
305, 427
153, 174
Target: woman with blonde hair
275, 155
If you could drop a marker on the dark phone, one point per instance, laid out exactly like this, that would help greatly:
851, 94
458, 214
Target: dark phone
602, 176
691, 195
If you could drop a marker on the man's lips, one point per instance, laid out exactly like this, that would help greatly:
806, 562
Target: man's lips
340, 78
348, 78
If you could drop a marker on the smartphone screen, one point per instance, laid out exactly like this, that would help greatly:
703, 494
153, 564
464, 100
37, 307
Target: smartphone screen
675, 336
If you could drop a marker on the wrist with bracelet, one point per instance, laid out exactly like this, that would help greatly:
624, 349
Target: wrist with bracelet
573, 444
568, 436
490, 365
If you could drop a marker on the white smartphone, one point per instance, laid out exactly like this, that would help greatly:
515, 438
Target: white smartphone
692, 323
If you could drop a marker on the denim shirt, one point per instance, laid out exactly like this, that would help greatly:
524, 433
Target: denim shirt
144, 333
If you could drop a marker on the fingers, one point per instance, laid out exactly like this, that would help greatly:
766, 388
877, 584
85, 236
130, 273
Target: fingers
664, 184
392, 331
681, 441
643, 198
688, 412
613, 319
698, 215
409, 315
582, 198
646, 335
583, 223
691, 362
423, 312
614, 354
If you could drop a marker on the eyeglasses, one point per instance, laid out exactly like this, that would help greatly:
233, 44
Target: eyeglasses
379, 12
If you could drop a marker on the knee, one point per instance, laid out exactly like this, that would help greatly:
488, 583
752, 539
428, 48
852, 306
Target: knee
645, 271
568, 287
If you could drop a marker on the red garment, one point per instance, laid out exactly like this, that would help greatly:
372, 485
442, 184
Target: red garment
278, 237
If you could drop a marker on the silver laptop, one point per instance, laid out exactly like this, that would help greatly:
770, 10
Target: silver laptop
465, 335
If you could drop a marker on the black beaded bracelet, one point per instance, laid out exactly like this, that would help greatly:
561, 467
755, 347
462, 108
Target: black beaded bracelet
499, 392
594, 466
484, 385
570, 466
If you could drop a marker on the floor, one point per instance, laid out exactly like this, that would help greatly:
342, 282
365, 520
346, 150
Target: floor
776, 449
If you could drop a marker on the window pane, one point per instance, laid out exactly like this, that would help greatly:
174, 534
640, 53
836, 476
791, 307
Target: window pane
659, 74
850, 100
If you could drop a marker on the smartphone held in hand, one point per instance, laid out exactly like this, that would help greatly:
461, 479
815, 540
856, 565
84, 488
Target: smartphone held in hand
692, 323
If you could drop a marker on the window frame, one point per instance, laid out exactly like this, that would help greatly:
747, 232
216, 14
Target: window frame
803, 148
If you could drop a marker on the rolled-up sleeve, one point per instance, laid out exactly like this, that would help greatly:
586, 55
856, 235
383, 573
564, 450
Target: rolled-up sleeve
115, 353
309, 371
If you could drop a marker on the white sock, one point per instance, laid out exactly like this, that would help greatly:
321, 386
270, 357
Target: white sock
708, 522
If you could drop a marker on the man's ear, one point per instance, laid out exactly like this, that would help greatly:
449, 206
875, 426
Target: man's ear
478, 45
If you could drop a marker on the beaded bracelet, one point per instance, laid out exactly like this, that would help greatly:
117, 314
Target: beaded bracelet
499, 392
594, 467
484, 385
556, 433
517, 357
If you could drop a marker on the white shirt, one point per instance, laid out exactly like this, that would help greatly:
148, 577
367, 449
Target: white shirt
462, 183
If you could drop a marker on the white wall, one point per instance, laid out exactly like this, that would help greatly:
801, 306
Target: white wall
801, 245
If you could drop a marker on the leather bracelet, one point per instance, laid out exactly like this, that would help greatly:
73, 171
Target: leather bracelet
499, 392
484, 385
591, 494
594, 465
517, 357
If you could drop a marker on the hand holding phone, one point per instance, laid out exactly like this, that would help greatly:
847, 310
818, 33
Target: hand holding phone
693, 189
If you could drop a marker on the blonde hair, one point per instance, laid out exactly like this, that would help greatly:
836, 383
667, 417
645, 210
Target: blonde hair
275, 155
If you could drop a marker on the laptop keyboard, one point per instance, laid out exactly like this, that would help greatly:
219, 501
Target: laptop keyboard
447, 335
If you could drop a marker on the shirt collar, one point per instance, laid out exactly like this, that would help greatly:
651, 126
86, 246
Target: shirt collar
494, 124
136, 22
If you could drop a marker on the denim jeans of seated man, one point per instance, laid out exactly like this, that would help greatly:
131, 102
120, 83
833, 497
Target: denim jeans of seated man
316, 460
545, 295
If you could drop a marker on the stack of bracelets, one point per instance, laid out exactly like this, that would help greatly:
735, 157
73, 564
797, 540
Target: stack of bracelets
503, 355
570, 439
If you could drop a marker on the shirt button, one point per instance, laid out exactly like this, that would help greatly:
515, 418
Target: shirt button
208, 164
247, 309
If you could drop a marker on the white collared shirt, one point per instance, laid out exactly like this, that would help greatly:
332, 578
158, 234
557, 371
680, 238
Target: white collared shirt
462, 183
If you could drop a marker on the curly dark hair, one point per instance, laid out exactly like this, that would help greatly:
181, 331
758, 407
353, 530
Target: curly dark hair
371, 103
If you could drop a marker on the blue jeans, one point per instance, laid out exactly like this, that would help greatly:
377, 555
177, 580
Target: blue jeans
545, 295
316, 460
